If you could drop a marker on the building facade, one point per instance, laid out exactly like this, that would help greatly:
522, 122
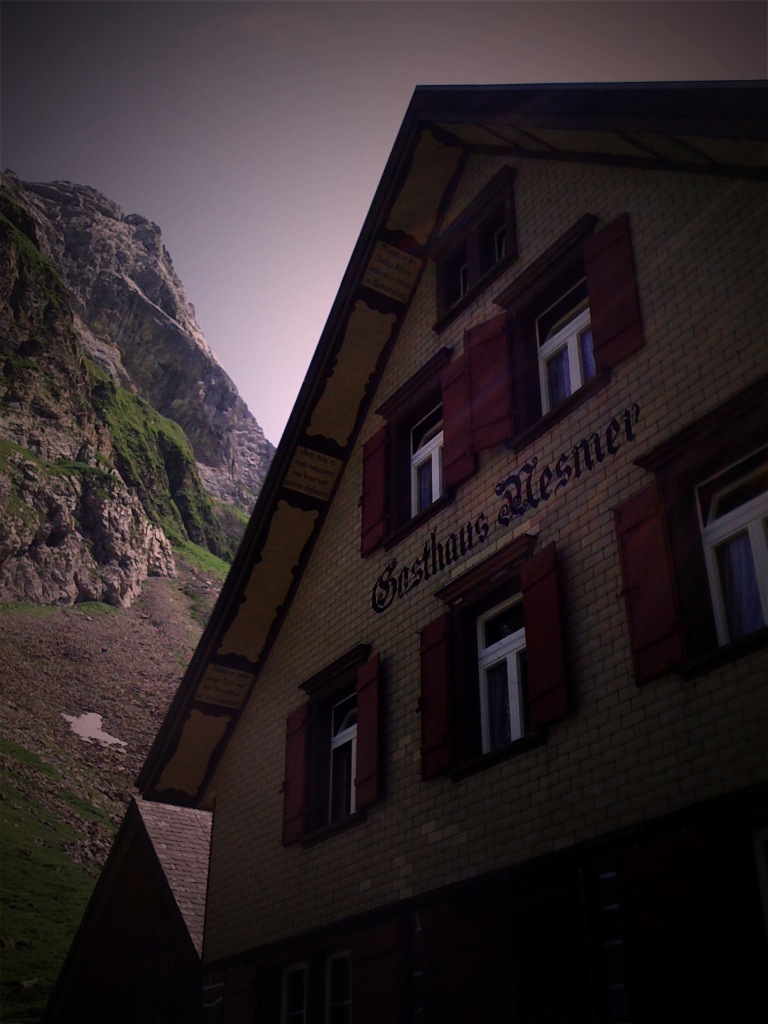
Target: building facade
482, 709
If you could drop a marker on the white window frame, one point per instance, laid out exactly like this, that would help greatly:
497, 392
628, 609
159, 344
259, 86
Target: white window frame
329, 1005
430, 451
507, 650
567, 337
750, 518
293, 1017
340, 739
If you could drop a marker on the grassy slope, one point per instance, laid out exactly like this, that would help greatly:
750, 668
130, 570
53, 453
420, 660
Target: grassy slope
43, 891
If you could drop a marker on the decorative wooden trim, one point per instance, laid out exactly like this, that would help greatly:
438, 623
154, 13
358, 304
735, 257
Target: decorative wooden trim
489, 574
323, 683
413, 389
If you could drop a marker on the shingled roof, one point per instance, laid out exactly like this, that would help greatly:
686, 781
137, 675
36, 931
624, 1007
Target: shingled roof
157, 871
181, 838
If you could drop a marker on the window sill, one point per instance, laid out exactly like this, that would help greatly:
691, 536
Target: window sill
554, 416
417, 521
702, 663
477, 764
318, 835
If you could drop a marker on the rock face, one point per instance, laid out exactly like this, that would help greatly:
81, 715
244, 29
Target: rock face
119, 431
76, 537
141, 329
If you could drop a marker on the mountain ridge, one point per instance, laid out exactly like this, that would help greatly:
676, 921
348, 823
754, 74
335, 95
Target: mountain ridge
120, 433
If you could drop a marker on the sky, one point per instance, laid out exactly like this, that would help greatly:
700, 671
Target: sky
255, 132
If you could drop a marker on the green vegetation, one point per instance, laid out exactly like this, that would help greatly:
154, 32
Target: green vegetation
154, 458
202, 559
43, 891
37, 274
61, 467
25, 757
96, 608
14, 607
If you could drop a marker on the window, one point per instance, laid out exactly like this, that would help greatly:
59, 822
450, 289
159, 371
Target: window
314, 987
294, 995
332, 747
501, 670
343, 729
566, 355
338, 989
404, 470
734, 514
572, 315
476, 247
454, 272
492, 665
427, 460
693, 548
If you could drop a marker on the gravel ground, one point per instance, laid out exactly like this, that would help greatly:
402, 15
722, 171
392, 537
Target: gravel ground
124, 665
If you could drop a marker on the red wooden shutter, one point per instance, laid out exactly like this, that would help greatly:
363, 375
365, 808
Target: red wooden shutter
458, 457
367, 778
374, 492
487, 351
379, 974
436, 754
295, 783
547, 679
650, 595
613, 301
463, 976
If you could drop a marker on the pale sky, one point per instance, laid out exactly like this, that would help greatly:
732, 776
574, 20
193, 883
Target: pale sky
254, 132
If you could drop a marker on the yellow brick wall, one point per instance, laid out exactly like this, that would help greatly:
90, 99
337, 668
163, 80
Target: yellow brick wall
626, 754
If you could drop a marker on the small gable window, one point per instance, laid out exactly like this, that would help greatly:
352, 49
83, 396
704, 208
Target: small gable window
475, 248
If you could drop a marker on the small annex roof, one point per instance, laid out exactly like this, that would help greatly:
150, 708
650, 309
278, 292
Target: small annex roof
161, 853
181, 839
696, 127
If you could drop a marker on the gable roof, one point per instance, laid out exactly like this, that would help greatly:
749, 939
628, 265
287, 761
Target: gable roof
181, 839
159, 858
703, 128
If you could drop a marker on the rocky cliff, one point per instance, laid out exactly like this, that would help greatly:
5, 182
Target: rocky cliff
120, 434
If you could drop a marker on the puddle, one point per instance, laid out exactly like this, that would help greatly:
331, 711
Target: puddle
88, 727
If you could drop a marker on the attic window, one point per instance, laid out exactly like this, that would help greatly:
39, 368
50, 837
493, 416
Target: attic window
476, 247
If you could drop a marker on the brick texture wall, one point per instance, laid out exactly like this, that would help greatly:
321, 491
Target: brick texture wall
626, 754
